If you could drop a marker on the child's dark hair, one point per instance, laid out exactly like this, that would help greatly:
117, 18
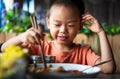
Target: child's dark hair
70, 3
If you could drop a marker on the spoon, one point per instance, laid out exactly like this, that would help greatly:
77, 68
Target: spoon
98, 64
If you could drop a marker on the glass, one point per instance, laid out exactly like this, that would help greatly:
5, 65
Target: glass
38, 59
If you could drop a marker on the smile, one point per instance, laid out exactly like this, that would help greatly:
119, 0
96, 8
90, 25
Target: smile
62, 38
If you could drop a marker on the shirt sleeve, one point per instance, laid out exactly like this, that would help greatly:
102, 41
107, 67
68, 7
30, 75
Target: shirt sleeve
91, 56
33, 49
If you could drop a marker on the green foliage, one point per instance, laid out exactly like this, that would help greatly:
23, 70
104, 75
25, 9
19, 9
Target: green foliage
85, 30
16, 22
111, 29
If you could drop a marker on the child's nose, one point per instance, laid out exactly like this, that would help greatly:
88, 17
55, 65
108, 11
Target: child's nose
63, 29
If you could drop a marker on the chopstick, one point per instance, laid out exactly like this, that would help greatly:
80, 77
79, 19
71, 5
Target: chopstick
98, 64
34, 24
33, 21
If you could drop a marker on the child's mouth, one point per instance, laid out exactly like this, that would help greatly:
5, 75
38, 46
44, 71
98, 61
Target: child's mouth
62, 38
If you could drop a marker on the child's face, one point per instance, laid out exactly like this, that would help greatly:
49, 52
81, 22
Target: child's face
64, 23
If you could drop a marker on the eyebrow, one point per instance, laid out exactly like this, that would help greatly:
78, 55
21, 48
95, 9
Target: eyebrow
56, 20
67, 22
72, 21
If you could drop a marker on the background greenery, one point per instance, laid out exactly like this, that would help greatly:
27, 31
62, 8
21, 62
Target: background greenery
14, 21
109, 29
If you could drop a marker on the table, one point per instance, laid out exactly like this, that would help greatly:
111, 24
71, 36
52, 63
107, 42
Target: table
108, 76
100, 76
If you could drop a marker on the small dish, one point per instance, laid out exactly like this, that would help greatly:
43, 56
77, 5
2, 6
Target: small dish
38, 59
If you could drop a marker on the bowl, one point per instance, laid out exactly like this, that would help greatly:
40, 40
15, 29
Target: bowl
38, 59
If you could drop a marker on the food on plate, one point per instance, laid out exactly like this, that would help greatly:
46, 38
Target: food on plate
59, 69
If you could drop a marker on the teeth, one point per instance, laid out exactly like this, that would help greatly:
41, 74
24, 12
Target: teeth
61, 36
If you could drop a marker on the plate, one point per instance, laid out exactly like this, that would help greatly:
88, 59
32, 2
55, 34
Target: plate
92, 72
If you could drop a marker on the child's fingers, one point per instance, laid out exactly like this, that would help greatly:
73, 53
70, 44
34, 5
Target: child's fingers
88, 19
40, 29
87, 15
31, 40
36, 36
41, 32
33, 35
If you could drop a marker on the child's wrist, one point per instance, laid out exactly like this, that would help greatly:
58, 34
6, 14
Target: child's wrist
101, 30
20, 38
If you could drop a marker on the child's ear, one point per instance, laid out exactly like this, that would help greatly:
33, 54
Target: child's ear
48, 22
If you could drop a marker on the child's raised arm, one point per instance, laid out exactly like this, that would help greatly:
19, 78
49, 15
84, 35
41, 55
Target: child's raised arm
106, 52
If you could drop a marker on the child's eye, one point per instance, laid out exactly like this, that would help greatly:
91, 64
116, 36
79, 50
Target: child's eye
71, 25
57, 25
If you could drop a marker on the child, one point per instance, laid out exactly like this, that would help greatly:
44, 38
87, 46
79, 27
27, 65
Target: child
64, 19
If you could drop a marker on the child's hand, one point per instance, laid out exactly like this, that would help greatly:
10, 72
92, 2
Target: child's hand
92, 23
31, 36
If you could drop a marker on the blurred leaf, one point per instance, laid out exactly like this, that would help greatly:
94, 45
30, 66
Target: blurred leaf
88, 23
118, 29
85, 30
16, 22
9, 14
111, 29
7, 28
